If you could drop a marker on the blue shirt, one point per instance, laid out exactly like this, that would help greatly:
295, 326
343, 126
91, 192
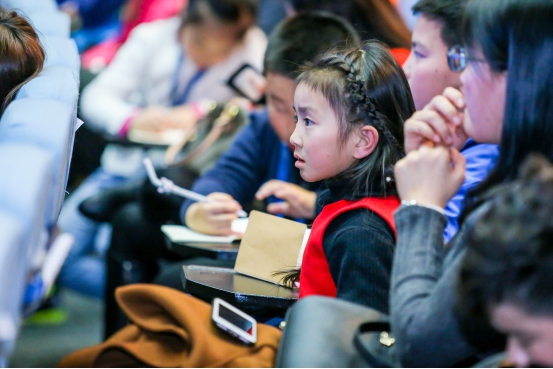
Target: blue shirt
480, 160
252, 160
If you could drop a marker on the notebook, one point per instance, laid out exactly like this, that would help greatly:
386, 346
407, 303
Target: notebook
180, 234
269, 245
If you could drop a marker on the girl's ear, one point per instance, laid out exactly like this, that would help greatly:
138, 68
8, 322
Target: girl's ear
366, 140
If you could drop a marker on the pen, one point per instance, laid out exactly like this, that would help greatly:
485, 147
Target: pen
165, 185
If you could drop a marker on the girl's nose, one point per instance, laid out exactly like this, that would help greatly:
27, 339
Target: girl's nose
295, 138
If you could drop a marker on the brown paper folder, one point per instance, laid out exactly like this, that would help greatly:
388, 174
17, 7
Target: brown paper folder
270, 244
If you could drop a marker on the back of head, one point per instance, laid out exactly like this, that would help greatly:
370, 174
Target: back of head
301, 38
365, 86
378, 19
21, 55
510, 249
449, 13
516, 36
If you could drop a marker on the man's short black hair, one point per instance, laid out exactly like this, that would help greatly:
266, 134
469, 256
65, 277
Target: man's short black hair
301, 38
447, 12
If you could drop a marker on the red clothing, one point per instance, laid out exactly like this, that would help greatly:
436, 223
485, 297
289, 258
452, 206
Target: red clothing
315, 277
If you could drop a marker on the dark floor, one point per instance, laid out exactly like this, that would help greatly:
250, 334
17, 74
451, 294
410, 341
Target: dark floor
44, 346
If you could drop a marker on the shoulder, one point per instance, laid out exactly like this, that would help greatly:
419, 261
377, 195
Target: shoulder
162, 29
255, 38
358, 223
261, 124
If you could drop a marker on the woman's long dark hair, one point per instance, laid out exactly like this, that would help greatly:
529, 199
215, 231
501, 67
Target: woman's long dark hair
365, 86
516, 36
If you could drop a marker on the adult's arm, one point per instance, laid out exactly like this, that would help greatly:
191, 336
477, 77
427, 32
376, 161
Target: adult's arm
423, 291
359, 249
106, 102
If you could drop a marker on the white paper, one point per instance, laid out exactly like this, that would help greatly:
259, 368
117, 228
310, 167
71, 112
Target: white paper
179, 233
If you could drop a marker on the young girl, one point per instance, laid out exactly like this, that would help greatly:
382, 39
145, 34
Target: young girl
350, 110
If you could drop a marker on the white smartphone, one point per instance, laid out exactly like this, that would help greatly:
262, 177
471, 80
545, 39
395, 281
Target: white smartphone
234, 321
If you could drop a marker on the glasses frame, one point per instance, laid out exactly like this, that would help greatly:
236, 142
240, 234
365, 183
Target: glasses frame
457, 58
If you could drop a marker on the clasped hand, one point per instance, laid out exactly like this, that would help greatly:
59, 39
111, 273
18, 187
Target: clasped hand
433, 169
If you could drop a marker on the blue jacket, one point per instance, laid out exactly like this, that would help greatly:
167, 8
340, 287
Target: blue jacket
480, 160
252, 160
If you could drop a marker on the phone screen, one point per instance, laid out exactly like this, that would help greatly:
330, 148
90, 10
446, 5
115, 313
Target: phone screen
235, 319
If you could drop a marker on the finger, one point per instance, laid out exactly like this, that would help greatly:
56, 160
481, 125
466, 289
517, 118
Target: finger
221, 207
447, 109
437, 123
222, 220
419, 130
269, 188
456, 97
459, 164
220, 196
279, 208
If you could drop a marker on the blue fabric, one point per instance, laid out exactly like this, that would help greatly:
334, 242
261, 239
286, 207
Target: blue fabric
181, 99
84, 269
480, 160
252, 160
96, 12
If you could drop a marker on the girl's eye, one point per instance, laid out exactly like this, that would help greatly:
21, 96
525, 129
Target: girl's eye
308, 122
295, 118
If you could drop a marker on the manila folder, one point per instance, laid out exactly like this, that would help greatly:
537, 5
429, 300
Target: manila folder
270, 245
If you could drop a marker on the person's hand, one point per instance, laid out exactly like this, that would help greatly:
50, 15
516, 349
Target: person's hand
430, 175
151, 119
215, 217
180, 117
440, 122
297, 201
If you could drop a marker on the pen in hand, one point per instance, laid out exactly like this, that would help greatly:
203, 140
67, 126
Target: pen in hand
165, 185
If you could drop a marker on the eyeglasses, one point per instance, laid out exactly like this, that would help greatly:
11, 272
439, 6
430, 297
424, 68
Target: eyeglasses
457, 58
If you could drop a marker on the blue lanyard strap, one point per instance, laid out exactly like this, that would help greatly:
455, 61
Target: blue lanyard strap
181, 99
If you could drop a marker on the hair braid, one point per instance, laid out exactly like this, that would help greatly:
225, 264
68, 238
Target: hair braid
356, 90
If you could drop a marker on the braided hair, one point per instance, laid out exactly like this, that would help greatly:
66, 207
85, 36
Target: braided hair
365, 86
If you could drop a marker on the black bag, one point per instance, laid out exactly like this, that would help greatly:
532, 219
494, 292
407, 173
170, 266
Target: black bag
328, 332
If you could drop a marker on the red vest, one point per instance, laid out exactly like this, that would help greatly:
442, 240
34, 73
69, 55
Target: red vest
315, 277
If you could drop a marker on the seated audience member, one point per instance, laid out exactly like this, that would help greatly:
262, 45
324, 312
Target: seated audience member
92, 20
507, 89
21, 55
507, 273
373, 19
159, 79
437, 29
350, 109
259, 164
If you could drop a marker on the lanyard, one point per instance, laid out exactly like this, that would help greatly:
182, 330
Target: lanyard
181, 99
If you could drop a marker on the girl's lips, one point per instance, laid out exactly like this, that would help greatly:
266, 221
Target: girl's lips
298, 161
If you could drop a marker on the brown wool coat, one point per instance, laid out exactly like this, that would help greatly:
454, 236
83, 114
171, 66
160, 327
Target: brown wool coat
171, 329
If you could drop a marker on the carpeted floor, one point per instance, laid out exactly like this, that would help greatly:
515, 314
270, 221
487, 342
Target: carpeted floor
42, 346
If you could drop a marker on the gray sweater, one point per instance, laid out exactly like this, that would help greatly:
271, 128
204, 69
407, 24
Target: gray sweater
423, 290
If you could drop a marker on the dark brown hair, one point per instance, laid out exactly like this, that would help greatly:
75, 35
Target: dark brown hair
378, 19
21, 55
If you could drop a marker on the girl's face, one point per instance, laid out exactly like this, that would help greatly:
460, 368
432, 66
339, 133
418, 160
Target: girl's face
210, 42
485, 93
316, 139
